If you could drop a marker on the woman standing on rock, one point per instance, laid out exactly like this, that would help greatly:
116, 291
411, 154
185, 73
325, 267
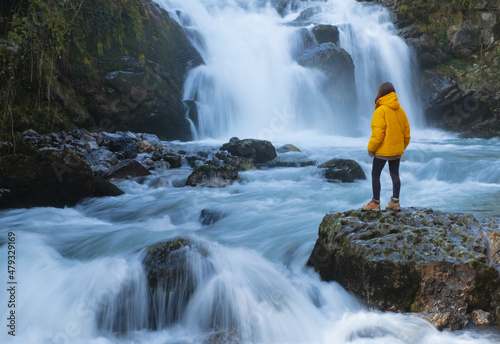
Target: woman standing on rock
389, 139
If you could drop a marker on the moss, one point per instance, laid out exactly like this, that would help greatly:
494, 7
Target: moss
103, 187
417, 306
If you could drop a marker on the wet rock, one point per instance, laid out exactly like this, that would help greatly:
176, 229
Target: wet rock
125, 146
342, 170
173, 159
223, 337
306, 17
44, 178
338, 67
287, 148
103, 187
455, 110
145, 146
282, 6
170, 278
416, 260
101, 160
240, 163
291, 161
211, 216
155, 141
326, 34
127, 169
482, 318
213, 176
260, 151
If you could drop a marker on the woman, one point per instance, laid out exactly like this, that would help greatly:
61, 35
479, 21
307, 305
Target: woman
389, 139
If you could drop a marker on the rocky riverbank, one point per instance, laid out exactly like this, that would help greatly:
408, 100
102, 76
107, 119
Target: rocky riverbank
61, 168
443, 266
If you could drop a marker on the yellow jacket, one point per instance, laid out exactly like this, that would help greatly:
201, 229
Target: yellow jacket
390, 127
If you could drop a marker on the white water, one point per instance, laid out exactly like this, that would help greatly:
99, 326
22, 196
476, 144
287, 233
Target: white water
79, 271
80, 279
252, 86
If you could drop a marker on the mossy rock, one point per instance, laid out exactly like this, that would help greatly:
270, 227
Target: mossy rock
171, 278
103, 187
44, 178
416, 260
213, 176
260, 151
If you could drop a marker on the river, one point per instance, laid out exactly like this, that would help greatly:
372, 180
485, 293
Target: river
78, 269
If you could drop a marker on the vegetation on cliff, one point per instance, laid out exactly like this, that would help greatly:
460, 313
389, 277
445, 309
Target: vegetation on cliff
102, 63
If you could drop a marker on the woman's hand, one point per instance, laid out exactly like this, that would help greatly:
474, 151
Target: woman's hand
371, 154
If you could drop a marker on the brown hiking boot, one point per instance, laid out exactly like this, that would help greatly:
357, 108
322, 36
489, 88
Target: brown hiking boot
373, 205
394, 204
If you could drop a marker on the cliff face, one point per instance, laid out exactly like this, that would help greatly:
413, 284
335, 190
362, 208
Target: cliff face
458, 49
110, 65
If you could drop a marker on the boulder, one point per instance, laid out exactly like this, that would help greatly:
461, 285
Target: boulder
326, 34
174, 159
288, 160
155, 141
145, 146
416, 260
342, 170
287, 148
456, 110
306, 17
260, 151
101, 160
211, 216
125, 146
240, 163
127, 169
212, 176
44, 178
170, 278
338, 67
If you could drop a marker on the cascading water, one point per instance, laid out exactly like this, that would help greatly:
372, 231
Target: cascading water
252, 86
80, 272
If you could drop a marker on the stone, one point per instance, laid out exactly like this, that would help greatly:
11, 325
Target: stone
260, 151
287, 148
291, 161
416, 260
482, 318
212, 176
145, 146
174, 159
101, 160
326, 34
338, 67
240, 163
125, 146
170, 278
127, 169
103, 187
211, 216
342, 170
47, 178
155, 141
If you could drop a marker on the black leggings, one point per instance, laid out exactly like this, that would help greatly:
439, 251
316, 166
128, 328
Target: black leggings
378, 166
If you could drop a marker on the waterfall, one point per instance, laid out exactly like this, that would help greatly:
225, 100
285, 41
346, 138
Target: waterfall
252, 85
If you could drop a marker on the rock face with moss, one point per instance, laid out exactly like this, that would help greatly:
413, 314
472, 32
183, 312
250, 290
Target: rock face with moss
417, 260
457, 45
115, 65
32, 178
171, 278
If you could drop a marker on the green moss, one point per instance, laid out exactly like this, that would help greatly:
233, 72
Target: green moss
417, 306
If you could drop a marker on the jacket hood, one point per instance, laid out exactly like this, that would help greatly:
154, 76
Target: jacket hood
390, 100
